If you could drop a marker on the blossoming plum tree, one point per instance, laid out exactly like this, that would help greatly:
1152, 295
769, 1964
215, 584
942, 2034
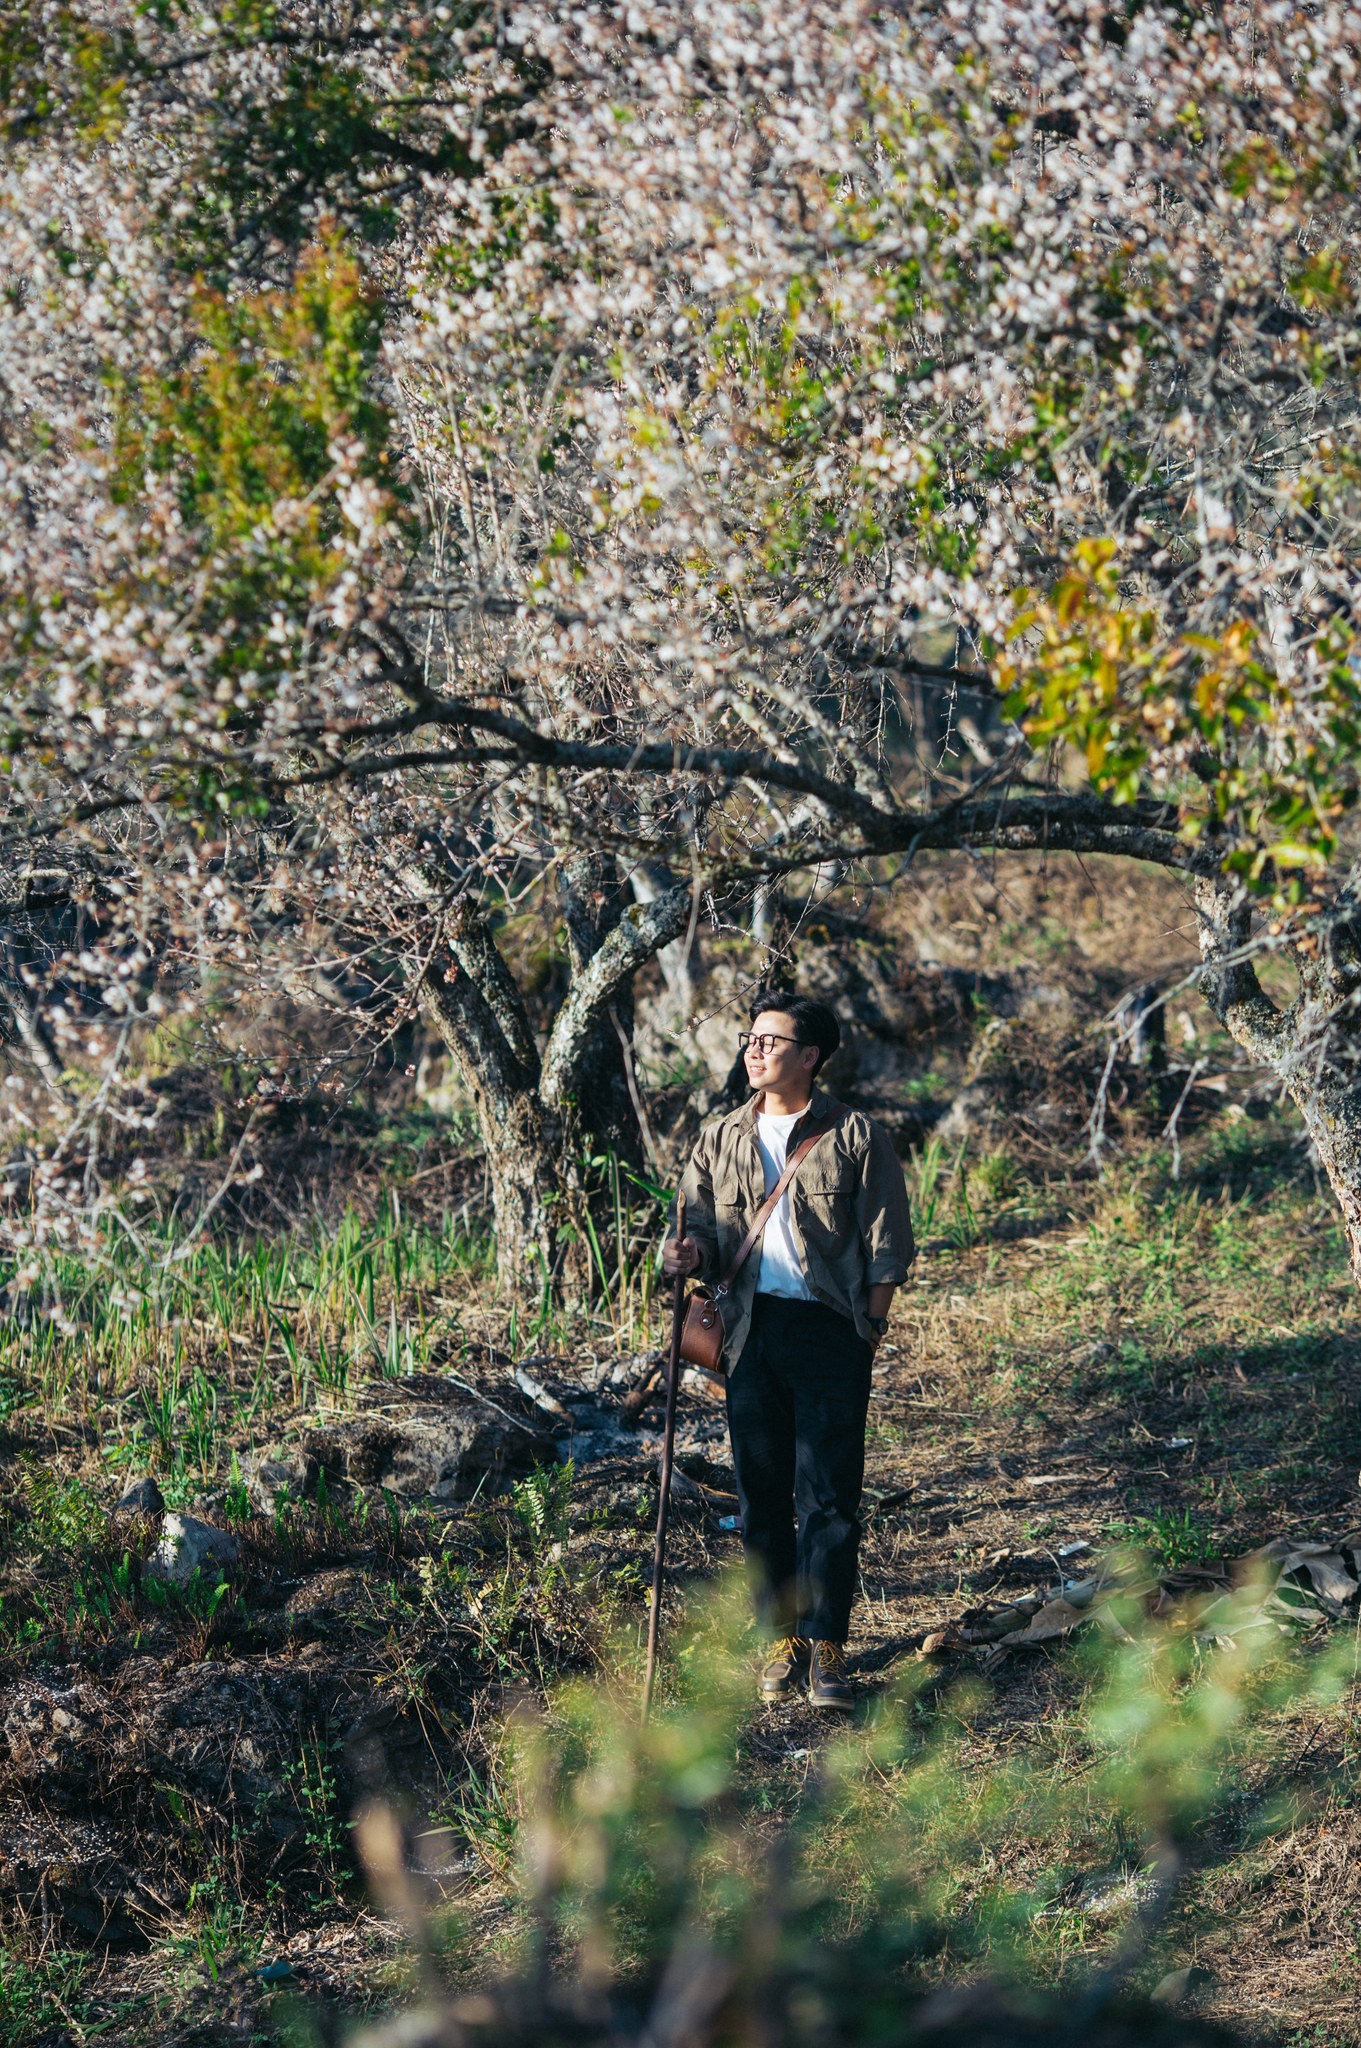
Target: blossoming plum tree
448, 456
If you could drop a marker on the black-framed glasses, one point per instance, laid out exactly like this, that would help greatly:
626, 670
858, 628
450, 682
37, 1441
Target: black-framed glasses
763, 1042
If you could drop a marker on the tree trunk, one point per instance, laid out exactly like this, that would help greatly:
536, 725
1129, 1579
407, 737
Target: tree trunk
542, 1121
522, 1143
596, 1098
34, 1036
1331, 1108
1311, 1047
527, 1203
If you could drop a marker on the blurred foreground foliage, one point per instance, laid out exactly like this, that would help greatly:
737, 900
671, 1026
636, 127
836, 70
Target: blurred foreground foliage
682, 1882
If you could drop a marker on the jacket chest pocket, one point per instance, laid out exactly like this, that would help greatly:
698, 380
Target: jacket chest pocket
734, 1209
826, 1205
731, 1215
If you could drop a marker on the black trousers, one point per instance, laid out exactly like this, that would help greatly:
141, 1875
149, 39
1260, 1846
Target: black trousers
797, 1401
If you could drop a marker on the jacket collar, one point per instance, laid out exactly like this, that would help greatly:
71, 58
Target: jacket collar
820, 1105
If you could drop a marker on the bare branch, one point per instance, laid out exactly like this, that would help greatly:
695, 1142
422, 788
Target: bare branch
641, 932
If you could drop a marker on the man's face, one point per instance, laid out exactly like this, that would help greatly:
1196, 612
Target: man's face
773, 1060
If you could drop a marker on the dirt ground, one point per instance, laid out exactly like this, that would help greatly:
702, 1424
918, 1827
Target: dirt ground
1163, 1353
1037, 1392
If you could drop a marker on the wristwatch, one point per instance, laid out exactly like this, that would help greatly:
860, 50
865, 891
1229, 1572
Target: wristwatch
879, 1325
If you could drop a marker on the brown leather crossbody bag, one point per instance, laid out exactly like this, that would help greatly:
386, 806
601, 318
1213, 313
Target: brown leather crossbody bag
701, 1341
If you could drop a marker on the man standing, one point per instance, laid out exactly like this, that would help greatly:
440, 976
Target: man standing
802, 1323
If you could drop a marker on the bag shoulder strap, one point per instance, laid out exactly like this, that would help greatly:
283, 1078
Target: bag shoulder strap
772, 1200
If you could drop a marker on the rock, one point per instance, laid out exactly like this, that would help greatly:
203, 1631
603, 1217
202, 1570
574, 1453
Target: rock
971, 1106
228, 1734
141, 1497
277, 1474
73, 1875
45, 1730
451, 1453
188, 1546
328, 1596
432, 1439
136, 1673
429, 1438
1181, 1984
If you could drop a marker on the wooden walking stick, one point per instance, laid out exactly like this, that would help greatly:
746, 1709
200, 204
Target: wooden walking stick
654, 1619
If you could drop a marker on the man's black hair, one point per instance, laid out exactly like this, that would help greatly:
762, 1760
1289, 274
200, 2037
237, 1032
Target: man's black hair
814, 1023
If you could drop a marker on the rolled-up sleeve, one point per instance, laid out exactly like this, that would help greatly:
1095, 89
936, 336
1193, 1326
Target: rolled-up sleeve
884, 1215
697, 1186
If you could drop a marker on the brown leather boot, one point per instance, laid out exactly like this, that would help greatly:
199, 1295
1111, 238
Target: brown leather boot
828, 1685
787, 1669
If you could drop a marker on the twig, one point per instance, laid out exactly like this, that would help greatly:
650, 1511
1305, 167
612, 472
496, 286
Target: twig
635, 1094
539, 1394
1197, 1068
469, 1388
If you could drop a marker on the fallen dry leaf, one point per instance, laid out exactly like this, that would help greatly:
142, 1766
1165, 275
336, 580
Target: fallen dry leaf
1283, 1585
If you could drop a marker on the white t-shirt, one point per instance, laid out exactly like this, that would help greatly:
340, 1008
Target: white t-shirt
779, 1271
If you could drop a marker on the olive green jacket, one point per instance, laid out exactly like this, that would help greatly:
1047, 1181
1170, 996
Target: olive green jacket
848, 1211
